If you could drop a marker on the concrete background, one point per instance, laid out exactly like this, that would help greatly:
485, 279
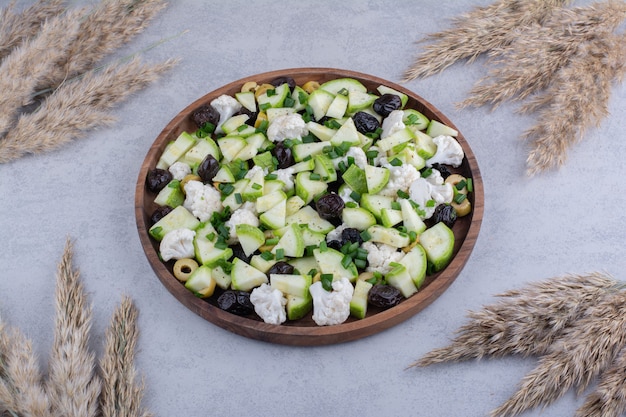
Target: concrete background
570, 220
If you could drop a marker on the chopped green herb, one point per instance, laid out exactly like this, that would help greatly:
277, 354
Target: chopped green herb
242, 128
395, 162
403, 194
315, 176
365, 235
459, 198
211, 236
360, 263
270, 92
352, 204
431, 203
257, 186
280, 254
303, 97
289, 102
344, 92
264, 106
270, 177
461, 184
412, 236
271, 241
327, 281
355, 196
238, 198
395, 205
268, 256
470, 185
323, 247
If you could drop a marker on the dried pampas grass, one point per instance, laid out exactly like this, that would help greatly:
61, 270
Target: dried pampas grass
74, 385
54, 87
576, 324
562, 60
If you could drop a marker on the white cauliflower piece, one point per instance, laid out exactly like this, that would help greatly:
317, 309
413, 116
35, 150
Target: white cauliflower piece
360, 159
202, 200
331, 307
392, 123
441, 192
177, 244
226, 106
381, 158
246, 214
179, 170
449, 152
379, 255
286, 175
335, 234
345, 193
269, 304
254, 170
288, 126
400, 178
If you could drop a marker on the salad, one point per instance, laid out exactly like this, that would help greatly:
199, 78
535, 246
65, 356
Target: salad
315, 199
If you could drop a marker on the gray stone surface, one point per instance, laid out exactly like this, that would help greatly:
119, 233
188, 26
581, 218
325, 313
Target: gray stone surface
571, 220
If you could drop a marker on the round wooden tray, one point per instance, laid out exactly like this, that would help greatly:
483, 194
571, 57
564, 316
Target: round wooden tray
305, 332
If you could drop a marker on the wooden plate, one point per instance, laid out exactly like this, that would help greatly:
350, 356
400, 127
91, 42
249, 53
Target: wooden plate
305, 332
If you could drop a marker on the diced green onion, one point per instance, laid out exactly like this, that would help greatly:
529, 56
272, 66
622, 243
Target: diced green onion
412, 119
323, 246
315, 176
355, 196
308, 139
264, 106
221, 245
470, 185
257, 186
346, 261
327, 281
365, 235
395, 162
270, 177
268, 256
270, 92
360, 263
227, 189
395, 205
312, 272
303, 97
289, 102
412, 236
361, 253
344, 91
271, 241
280, 254
403, 194
211, 236
426, 173
430, 203
352, 204
459, 198
461, 184
378, 275
350, 160
242, 128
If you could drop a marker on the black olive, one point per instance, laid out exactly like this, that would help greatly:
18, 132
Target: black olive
446, 214
387, 103
157, 179
236, 302
445, 172
384, 296
351, 235
334, 244
239, 253
208, 168
205, 114
330, 206
284, 155
281, 267
277, 82
251, 115
159, 213
365, 122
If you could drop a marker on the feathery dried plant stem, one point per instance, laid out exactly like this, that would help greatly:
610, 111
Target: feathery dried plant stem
15, 28
121, 397
77, 106
72, 385
479, 31
577, 100
30, 63
580, 354
609, 397
531, 62
104, 29
525, 321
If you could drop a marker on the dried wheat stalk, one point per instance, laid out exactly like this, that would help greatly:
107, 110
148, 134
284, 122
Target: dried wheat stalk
579, 355
120, 396
104, 29
15, 28
577, 100
77, 106
37, 58
539, 52
479, 31
525, 321
609, 397
72, 385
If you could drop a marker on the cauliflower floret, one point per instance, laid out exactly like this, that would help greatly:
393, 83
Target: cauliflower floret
254, 170
226, 106
392, 123
269, 304
286, 176
246, 214
432, 189
379, 255
360, 159
331, 307
177, 244
449, 151
381, 157
400, 178
345, 193
335, 234
202, 200
179, 170
289, 126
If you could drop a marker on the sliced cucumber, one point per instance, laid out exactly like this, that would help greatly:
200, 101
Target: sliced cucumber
233, 123
415, 119
376, 178
298, 307
307, 215
251, 238
416, 264
322, 132
176, 150
358, 304
291, 284
355, 178
399, 278
339, 84
438, 242
179, 218
330, 261
338, 107
247, 99
201, 282
246, 277
347, 133
436, 128
357, 218
171, 195
307, 189
389, 236
319, 101
291, 244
